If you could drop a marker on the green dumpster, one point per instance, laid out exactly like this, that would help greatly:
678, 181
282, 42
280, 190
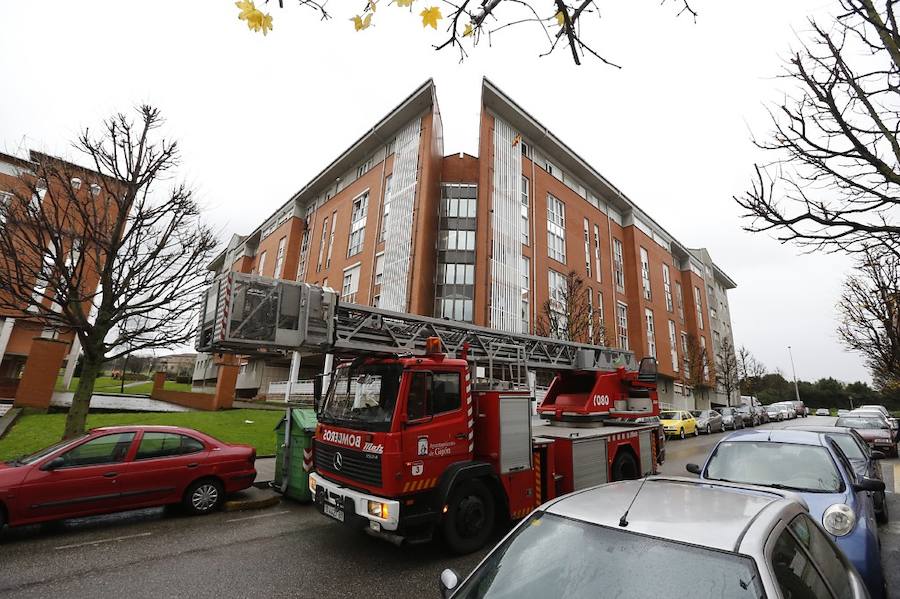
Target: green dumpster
293, 480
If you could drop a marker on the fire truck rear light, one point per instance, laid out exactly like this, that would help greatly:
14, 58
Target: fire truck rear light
378, 509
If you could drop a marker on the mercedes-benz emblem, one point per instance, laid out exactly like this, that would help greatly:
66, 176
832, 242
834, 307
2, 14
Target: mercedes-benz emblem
338, 461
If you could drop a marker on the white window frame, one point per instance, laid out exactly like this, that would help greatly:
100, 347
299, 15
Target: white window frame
556, 285
331, 239
667, 287
651, 331
645, 273
378, 269
673, 345
525, 266
679, 297
279, 257
359, 210
597, 252
698, 304
685, 349
322, 244
556, 229
350, 283
524, 209
5, 202
261, 263
619, 264
587, 248
622, 325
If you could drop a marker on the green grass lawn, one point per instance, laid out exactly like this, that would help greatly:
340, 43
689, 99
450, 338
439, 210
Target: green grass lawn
32, 432
106, 384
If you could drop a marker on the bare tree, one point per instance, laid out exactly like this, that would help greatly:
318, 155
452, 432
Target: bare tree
118, 259
571, 314
870, 315
562, 24
727, 368
697, 363
834, 181
750, 371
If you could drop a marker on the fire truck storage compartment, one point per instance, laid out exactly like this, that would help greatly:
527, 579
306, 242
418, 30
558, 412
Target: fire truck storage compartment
589, 463
515, 433
648, 455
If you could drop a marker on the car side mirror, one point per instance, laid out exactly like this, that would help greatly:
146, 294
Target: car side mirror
869, 484
53, 464
449, 582
317, 393
878, 455
693, 469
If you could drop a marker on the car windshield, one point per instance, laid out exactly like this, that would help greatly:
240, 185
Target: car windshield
537, 561
38, 455
696, 413
861, 422
362, 396
848, 445
772, 409
669, 416
781, 465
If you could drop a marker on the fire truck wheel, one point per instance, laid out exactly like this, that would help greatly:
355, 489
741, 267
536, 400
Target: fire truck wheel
625, 467
469, 519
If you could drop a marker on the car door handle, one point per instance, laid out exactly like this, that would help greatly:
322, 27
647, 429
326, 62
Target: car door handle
193, 465
111, 474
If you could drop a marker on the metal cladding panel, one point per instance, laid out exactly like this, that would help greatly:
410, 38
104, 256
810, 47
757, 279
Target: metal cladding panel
646, 452
398, 243
515, 433
589, 463
506, 230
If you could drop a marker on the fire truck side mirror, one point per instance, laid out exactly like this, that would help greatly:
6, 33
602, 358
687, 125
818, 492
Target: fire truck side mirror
317, 392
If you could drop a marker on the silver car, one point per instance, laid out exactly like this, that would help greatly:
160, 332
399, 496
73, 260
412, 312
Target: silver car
708, 421
660, 537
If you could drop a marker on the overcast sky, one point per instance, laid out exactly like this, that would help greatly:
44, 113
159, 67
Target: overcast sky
257, 117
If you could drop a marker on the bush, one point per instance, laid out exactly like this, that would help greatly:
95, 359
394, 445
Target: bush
183, 379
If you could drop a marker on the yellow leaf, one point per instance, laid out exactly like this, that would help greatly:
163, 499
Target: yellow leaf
431, 16
404, 2
517, 139
560, 18
360, 23
372, 6
468, 31
256, 19
247, 8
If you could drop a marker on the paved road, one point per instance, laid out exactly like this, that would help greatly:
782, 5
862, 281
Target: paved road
285, 551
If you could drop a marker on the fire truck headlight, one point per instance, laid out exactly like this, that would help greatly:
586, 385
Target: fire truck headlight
312, 486
378, 509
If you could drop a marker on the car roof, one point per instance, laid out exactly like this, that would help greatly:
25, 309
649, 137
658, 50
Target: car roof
143, 427
777, 435
706, 513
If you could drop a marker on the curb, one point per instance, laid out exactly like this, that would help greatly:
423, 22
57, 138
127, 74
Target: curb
7, 420
255, 499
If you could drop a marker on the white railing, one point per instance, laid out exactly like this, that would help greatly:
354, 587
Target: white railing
279, 388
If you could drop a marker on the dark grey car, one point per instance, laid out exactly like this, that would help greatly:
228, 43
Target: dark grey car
731, 418
708, 421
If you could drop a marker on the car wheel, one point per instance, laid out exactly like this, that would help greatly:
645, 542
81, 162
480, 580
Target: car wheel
708, 430
469, 520
203, 496
696, 431
881, 509
681, 434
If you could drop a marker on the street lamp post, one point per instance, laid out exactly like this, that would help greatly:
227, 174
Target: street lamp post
794, 371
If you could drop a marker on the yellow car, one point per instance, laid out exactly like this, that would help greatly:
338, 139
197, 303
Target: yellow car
678, 423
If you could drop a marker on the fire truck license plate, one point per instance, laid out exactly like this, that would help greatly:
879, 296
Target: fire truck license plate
334, 511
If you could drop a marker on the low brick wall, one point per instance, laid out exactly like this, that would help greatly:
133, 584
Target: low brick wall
188, 399
8, 387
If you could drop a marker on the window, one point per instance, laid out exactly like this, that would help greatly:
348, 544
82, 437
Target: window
456, 240
597, 252
445, 392
108, 449
350, 285
622, 324
331, 239
5, 205
455, 280
686, 354
679, 297
796, 575
556, 229
379, 268
645, 273
811, 538
557, 289
358, 224
651, 332
587, 248
590, 307
279, 257
526, 150
550, 168
304, 253
667, 286
524, 206
698, 303
600, 308
432, 393
363, 168
262, 263
386, 208
704, 357
322, 244
525, 269
41, 283
161, 445
673, 345
619, 265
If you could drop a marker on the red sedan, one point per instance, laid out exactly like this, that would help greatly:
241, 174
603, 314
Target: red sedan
123, 468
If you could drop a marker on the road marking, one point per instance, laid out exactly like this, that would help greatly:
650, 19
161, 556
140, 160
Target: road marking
258, 516
101, 541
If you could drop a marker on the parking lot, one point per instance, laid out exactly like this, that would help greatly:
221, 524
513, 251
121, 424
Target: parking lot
285, 551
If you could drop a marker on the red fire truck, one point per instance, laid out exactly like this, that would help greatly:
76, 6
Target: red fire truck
428, 425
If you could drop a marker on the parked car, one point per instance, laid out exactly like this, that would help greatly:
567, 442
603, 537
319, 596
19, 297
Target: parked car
661, 536
775, 413
763, 414
708, 421
122, 468
678, 423
749, 416
812, 465
843, 412
660, 433
800, 408
731, 418
787, 409
874, 429
823, 412
865, 461
895, 424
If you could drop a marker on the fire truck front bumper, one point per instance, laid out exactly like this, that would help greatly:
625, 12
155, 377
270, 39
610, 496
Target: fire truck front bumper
352, 507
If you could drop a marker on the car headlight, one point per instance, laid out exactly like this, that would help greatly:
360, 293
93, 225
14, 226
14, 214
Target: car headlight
838, 519
378, 509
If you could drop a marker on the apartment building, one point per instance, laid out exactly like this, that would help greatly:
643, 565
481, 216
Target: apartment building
487, 239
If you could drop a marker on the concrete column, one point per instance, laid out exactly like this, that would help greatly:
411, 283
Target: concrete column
329, 366
73, 359
5, 332
292, 377
41, 369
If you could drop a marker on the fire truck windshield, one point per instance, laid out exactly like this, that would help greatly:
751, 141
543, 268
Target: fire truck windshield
362, 396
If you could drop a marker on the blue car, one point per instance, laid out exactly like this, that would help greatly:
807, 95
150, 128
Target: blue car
813, 466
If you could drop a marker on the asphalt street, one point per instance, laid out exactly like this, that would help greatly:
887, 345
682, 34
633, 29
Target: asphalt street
285, 551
